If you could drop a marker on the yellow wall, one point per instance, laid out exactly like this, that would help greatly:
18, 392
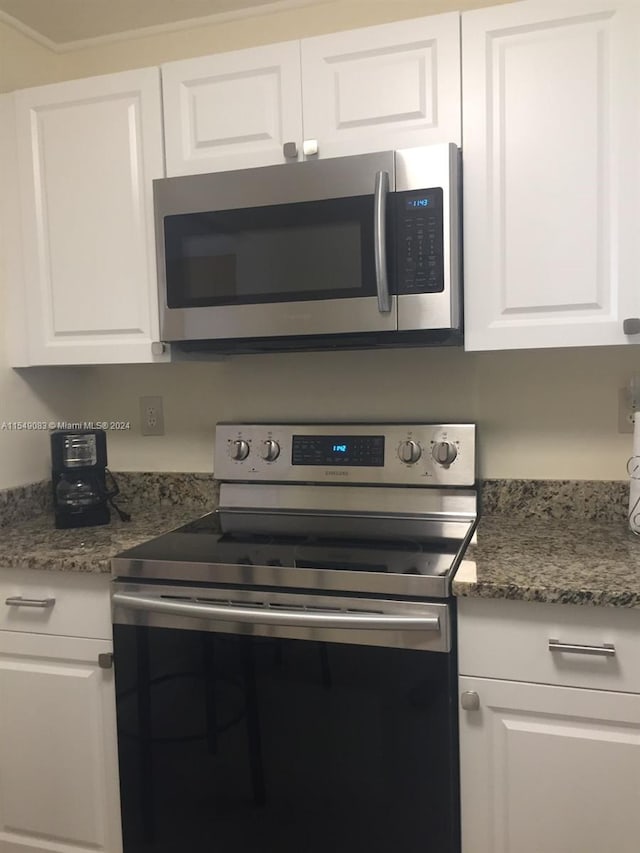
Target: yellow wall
247, 32
541, 414
23, 62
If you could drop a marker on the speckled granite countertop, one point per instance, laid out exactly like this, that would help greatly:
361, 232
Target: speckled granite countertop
157, 502
548, 541
536, 550
36, 544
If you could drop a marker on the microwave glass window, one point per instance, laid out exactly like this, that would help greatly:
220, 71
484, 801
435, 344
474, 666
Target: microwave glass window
315, 250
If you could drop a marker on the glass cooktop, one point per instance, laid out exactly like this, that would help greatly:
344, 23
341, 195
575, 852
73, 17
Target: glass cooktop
199, 551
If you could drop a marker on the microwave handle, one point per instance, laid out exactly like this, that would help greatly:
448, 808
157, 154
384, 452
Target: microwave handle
379, 240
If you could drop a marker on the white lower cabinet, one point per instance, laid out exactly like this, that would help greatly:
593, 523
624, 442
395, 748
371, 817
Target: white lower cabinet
552, 769
545, 767
58, 748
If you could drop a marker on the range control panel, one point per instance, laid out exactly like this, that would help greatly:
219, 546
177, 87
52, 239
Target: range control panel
391, 454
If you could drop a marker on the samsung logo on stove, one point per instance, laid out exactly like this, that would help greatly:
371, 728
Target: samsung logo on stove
337, 473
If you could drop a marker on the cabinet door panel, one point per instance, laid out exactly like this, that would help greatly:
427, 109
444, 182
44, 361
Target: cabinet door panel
549, 768
88, 151
385, 87
551, 173
58, 766
232, 110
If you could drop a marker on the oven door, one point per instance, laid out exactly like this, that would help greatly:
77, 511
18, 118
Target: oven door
281, 723
287, 250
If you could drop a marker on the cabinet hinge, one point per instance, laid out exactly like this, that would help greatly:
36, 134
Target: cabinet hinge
105, 661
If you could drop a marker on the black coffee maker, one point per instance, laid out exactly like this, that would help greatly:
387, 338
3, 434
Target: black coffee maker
79, 465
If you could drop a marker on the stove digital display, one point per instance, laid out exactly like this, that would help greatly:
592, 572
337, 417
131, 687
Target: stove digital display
344, 450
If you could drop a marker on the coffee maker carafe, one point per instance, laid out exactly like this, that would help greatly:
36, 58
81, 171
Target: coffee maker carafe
79, 463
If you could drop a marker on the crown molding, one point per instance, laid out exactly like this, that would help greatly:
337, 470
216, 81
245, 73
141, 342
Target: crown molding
34, 35
158, 29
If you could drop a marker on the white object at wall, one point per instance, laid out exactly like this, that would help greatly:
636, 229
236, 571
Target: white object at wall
87, 152
551, 173
634, 477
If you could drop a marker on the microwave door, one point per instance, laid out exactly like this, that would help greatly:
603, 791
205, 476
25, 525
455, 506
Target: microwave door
319, 276
315, 263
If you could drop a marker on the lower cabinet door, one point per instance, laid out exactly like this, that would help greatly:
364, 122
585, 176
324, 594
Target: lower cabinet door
58, 755
549, 769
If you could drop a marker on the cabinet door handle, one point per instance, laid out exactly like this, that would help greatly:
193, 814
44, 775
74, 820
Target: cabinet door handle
607, 650
631, 326
470, 701
310, 147
290, 150
19, 601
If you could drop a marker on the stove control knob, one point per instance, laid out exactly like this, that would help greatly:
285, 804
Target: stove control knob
239, 449
444, 452
409, 452
270, 450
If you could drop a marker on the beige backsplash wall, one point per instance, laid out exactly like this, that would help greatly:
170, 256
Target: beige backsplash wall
541, 414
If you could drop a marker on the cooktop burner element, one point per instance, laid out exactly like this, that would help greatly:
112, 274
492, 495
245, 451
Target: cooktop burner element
396, 525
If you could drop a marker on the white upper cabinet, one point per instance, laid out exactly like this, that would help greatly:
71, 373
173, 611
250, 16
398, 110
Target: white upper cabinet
390, 86
232, 110
87, 151
372, 89
551, 144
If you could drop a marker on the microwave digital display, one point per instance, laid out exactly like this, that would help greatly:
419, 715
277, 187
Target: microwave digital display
412, 203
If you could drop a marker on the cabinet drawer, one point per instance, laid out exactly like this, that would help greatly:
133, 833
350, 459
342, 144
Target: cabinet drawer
72, 605
511, 640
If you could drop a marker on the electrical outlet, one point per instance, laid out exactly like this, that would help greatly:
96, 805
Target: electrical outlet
151, 416
626, 410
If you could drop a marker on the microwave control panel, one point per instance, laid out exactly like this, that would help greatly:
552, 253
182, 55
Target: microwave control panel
420, 241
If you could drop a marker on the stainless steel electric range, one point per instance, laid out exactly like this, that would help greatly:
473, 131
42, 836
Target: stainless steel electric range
286, 665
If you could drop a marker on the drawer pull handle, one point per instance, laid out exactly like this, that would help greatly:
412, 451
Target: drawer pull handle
19, 601
607, 650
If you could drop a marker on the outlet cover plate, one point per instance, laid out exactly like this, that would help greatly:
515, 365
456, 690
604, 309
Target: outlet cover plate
151, 416
625, 411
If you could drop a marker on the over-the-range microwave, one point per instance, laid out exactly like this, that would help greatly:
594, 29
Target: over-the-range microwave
348, 252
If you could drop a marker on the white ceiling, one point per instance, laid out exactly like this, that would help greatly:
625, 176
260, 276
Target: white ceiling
63, 21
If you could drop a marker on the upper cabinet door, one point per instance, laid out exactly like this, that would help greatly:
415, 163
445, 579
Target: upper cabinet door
384, 87
232, 110
87, 151
551, 147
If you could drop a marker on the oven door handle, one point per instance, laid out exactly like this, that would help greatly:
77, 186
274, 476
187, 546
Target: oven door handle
380, 240
276, 616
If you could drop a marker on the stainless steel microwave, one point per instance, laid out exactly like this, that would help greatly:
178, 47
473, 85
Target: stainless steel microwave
346, 252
